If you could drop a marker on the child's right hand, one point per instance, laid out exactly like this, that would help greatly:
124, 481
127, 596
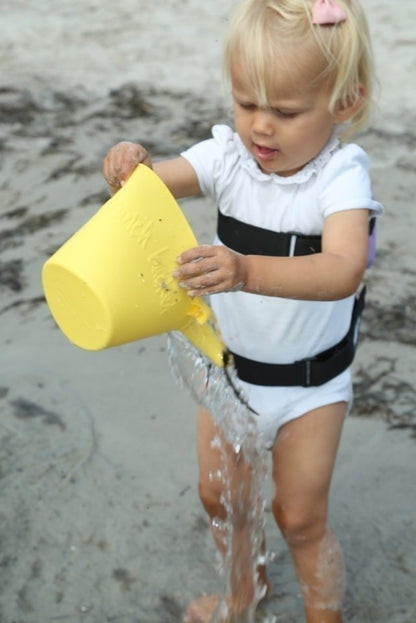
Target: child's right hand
120, 162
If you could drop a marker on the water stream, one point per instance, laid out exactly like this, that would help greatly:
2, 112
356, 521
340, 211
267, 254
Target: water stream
242, 474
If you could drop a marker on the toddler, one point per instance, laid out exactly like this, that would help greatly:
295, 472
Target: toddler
294, 204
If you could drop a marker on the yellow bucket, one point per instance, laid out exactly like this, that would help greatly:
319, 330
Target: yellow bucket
112, 282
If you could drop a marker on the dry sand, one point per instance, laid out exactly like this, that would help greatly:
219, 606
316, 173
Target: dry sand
99, 517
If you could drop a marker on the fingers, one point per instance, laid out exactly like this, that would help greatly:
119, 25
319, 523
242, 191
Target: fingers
198, 272
209, 282
197, 261
209, 270
120, 162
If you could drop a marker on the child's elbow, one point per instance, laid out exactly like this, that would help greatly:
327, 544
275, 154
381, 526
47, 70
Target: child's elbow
352, 281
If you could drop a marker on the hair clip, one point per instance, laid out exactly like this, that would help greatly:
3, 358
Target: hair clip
327, 12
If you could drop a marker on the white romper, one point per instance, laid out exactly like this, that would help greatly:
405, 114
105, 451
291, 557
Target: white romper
272, 329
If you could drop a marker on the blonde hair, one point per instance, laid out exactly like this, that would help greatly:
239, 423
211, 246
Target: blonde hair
264, 33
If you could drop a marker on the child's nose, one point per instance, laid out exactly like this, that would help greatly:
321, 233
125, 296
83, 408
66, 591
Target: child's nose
263, 122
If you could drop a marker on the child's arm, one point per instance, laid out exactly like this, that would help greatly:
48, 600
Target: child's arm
333, 274
121, 160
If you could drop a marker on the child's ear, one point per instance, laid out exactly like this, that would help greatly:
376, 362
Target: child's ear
345, 110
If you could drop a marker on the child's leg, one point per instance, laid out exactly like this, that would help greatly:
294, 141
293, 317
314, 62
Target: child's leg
303, 462
210, 490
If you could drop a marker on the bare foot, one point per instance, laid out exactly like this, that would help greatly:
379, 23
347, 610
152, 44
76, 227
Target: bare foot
201, 609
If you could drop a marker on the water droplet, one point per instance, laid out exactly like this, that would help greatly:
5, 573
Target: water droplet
216, 442
85, 608
216, 475
237, 448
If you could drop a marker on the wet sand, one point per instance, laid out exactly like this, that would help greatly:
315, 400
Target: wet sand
100, 518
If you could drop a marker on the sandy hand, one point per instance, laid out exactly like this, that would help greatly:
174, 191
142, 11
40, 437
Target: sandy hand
120, 162
210, 269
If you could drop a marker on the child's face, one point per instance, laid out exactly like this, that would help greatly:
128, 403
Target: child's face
291, 131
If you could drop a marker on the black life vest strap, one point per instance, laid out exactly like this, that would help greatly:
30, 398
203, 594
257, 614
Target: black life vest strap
306, 372
252, 240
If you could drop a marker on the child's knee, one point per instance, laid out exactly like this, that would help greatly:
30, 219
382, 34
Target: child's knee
300, 525
210, 494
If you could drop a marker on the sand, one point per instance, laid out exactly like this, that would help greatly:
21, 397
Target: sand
99, 517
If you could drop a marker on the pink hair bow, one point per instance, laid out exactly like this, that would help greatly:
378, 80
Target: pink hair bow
327, 12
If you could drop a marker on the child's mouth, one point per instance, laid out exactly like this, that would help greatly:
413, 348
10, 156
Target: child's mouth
264, 153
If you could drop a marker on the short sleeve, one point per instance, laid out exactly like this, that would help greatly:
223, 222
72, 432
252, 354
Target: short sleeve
213, 159
345, 183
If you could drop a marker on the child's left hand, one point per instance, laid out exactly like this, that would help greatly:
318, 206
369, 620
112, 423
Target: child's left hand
210, 269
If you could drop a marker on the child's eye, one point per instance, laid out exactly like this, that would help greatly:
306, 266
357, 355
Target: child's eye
285, 114
246, 105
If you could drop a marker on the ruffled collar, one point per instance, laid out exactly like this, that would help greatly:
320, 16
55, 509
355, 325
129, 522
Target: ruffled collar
302, 176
